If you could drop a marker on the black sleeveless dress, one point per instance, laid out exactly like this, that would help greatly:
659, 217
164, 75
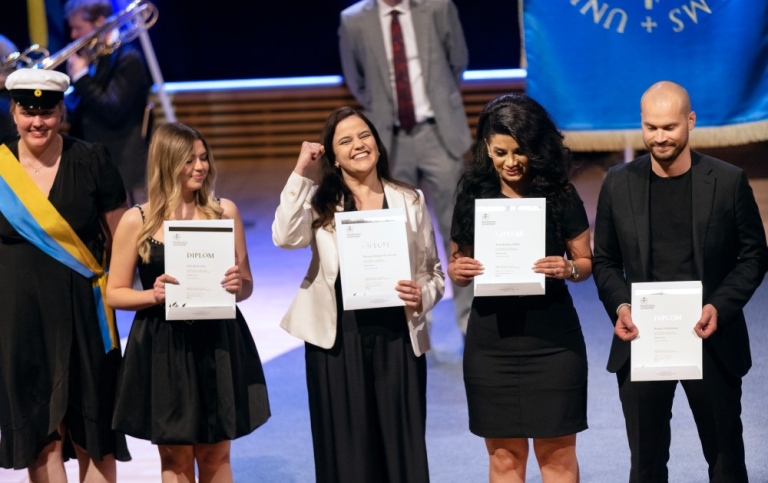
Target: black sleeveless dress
188, 382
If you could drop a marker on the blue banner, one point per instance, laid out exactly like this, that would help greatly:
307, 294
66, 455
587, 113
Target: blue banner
589, 61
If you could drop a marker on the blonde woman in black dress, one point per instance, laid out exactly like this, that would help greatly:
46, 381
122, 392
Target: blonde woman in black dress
190, 387
525, 363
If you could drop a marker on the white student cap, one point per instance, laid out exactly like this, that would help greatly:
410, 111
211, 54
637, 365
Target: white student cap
37, 88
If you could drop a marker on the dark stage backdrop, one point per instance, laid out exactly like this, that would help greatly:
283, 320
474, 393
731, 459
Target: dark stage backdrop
226, 39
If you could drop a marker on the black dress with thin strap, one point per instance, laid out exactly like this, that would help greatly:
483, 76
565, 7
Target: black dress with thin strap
525, 361
53, 366
188, 382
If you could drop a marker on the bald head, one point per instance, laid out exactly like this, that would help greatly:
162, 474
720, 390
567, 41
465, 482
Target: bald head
666, 114
668, 94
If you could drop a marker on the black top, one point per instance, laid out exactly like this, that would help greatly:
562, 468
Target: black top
571, 222
671, 228
86, 186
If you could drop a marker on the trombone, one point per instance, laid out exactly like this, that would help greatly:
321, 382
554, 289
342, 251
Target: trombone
117, 30
120, 28
26, 58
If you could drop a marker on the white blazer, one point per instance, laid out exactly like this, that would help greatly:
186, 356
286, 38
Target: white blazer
312, 314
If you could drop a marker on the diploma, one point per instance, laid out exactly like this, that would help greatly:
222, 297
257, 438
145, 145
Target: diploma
373, 257
197, 254
510, 235
667, 348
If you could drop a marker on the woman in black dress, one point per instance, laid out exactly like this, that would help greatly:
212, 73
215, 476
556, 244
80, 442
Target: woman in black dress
58, 358
525, 363
190, 387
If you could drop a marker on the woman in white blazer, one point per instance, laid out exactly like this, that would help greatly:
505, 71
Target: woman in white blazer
366, 374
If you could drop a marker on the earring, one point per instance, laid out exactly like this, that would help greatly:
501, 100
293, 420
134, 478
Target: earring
336, 165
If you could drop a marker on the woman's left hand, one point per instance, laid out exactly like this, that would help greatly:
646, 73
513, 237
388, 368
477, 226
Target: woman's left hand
553, 267
232, 282
410, 292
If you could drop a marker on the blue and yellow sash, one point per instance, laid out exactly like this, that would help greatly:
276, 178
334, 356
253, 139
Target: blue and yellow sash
37, 220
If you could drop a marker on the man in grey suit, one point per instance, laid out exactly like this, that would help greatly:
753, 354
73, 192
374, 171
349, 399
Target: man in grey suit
673, 215
430, 146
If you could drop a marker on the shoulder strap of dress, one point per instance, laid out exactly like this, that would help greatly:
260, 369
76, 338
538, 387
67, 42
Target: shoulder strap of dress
141, 210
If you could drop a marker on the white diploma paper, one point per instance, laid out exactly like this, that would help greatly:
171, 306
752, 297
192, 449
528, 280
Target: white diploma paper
197, 254
510, 235
666, 313
373, 256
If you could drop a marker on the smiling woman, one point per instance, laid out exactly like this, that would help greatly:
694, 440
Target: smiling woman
525, 363
356, 157
166, 362
60, 201
366, 371
510, 163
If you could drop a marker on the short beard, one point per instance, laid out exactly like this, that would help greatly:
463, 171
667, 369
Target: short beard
669, 156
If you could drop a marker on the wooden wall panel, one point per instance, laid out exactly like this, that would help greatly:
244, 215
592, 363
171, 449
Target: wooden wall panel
270, 124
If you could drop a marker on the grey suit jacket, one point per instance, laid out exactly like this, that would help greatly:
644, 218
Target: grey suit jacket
443, 55
730, 254
312, 315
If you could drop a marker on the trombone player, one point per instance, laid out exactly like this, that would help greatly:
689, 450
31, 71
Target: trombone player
110, 97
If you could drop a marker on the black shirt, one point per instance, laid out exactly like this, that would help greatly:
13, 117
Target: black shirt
671, 228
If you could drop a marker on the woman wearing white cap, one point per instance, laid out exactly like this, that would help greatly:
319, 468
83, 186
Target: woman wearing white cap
60, 201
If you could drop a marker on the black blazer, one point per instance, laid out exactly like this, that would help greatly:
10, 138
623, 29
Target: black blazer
729, 247
108, 108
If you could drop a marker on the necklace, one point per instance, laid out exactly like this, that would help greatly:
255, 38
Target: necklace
37, 170
44, 164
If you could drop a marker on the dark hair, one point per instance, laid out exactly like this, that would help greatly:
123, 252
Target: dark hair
524, 119
332, 188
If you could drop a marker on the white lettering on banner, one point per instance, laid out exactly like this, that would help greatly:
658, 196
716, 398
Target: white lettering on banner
603, 14
611, 14
691, 11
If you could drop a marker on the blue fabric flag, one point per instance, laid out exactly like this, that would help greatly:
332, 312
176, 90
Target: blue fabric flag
589, 62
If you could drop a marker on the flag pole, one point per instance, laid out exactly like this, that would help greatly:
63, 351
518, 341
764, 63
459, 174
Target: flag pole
157, 76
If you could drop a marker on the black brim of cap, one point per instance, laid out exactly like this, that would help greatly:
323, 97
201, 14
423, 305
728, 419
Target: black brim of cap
36, 98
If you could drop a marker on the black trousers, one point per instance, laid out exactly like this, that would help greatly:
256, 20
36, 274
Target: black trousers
367, 402
715, 402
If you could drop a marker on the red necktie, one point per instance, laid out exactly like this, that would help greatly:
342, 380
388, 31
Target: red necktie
402, 81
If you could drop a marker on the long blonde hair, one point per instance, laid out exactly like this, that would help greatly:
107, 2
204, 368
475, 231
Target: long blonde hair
169, 150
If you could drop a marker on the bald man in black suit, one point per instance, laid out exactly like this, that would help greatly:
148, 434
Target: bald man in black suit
672, 215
